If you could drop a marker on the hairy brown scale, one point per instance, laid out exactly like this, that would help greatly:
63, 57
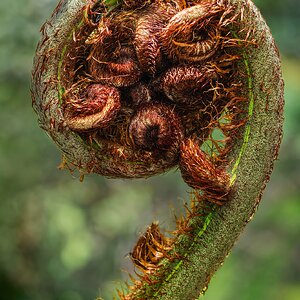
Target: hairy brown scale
151, 247
96, 109
178, 82
193, 34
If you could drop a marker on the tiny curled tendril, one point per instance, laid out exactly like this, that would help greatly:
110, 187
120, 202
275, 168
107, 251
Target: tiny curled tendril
137, 88
99, 107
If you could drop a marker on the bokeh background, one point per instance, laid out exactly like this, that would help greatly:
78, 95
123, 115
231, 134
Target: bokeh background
62, 239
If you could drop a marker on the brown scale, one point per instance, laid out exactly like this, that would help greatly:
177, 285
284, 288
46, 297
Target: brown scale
96, 109
121, 71
192, 35
112, 58
157, 128
134, 4
147, 36
140, 94
178, 82
151, 247
200, 172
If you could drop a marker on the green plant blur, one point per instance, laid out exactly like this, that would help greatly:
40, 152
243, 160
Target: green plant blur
61, 239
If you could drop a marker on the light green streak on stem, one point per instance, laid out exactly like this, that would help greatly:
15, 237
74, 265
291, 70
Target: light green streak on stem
250, 113
178, 265
203, 229
209, 217
61, 88
247, 129
60, 63
111, 3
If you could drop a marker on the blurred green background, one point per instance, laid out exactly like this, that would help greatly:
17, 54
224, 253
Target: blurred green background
61, 239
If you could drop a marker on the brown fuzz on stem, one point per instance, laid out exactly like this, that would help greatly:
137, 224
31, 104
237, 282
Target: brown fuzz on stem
199, 171
151, 247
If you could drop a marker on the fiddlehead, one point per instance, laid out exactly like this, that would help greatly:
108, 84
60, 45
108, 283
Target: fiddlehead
95, 109
132, 89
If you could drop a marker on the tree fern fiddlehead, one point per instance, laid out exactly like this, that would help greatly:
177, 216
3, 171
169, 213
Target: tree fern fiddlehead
133, 88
